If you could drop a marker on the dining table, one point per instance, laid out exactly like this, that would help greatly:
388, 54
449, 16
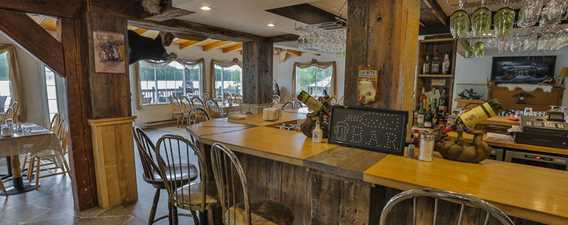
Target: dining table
30, 139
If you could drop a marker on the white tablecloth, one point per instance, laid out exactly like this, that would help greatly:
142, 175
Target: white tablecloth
37, 140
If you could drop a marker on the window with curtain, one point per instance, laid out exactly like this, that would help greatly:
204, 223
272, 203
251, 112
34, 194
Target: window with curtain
160, 81
51, 92
316, 78
5, 91
228, 80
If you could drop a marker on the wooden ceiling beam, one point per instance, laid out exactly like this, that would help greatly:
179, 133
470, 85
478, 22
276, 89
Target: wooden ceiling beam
437, 11
34, 38
215, 45
134, 9
294, 52
283, 38
232, 48
182, 27
57, 8
187, 43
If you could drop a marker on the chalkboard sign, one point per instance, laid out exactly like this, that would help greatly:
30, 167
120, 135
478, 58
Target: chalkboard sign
374, 129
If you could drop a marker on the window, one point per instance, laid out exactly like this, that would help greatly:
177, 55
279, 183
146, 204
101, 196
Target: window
51, 89
159, 82
316, 78
228, 80
5, 91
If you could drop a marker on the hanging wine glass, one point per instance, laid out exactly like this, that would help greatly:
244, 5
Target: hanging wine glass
504, 21
460, 23
479, 49
530, 13
481, 21
553, 12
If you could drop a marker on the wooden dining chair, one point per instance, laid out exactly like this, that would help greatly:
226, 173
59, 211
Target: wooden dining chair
233, 195
214, 109
198, 115
197, 102
154, 176
52, 160
197, 197
177, 111
489, 210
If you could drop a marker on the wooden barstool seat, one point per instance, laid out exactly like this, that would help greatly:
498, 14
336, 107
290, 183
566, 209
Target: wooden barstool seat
193, 196
262, 213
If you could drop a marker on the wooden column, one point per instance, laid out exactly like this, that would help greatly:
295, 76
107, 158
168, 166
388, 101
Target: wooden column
257, 74
384, 34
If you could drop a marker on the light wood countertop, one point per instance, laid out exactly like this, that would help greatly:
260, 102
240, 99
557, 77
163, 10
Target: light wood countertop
507, 141
271, 143
256, 119
532, 193
216, 126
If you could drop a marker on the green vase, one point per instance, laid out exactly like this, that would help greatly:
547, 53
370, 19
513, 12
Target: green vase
481, 22
504, 21
460, 24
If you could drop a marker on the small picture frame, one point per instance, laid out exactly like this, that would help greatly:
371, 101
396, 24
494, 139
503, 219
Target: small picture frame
110, 54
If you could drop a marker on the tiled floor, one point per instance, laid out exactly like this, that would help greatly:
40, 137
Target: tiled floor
53, 205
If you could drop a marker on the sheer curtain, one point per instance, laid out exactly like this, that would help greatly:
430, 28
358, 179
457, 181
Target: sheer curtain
222, 64
15, 78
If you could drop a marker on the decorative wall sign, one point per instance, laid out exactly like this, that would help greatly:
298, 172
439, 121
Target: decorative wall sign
374, 129
367, 84
110, 52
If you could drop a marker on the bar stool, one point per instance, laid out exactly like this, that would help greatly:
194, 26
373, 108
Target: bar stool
153, 174
197, 197
234, 197
463, 200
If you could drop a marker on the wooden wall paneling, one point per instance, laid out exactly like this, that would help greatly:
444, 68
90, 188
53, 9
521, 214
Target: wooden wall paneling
325, 200
383, 34
296, 192
79, 110
32, 37
114, 161
257, 72
111, 92
355, 202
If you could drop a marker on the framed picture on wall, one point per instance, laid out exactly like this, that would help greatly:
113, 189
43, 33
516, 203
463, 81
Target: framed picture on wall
523, 69
110, 54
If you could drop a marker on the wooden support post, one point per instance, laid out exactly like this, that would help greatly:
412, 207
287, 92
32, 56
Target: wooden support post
75, 47
383, 33
257, 74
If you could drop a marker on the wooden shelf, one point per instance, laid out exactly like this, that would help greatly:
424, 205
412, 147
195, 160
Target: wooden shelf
437, 40
436, 75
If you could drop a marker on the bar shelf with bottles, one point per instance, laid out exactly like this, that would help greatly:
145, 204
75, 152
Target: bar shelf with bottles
434, 82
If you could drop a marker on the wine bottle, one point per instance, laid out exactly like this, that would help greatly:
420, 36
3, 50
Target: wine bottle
480, 113
313, 104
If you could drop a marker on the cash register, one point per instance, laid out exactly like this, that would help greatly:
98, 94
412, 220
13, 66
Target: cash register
549, 130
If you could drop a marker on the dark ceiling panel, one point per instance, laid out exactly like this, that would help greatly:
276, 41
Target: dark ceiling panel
304, 13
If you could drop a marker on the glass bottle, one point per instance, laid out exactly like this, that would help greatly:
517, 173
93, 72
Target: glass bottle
317, 133
446, 64
426, 65
313, 104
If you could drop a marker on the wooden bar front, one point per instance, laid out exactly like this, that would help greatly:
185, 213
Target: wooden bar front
329, 184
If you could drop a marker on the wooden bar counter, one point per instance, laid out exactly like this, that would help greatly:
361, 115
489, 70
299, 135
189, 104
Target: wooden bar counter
329, 184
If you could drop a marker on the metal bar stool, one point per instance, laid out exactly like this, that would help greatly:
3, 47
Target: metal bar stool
463, 200
197, 197
153, 175
231, 185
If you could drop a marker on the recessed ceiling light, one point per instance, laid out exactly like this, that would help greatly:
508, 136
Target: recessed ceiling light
270, 25
205, 8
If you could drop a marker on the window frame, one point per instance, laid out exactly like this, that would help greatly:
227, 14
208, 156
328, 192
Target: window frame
46, 96
185, 63
322, 65
10, 85
223, 64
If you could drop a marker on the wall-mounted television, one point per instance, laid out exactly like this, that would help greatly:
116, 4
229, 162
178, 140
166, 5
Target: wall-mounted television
523, 69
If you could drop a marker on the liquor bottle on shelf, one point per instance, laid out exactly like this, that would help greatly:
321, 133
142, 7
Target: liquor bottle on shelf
420, 116
426, 65
446, 64
436, 64
428, 118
